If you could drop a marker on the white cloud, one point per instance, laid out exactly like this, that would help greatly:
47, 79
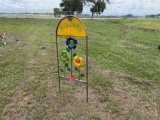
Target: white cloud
117, 7
29, 5
136, 7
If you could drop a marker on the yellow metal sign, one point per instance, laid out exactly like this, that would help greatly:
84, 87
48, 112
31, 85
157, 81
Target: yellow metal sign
71, 26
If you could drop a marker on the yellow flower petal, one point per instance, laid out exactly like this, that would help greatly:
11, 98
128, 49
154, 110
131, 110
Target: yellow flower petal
80, 59
82, 63
78, 64
76, 57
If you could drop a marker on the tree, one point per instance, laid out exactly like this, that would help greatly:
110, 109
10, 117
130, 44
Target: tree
98, 7
56, 11
86, 2
72, 6
129, 16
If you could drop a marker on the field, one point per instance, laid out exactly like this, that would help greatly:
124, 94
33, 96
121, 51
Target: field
124, 67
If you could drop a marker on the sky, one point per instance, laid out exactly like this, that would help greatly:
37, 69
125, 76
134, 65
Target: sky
116, 7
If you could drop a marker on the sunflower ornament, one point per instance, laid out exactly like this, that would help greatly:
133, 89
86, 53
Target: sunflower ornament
78, 61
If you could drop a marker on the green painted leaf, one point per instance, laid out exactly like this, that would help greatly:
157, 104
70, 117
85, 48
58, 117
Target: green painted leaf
68, 50
74, 54
76, 69
61, 70
81, 75
68, 69
66, 64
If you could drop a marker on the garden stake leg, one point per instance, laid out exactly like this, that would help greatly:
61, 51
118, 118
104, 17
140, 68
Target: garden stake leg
87, 66
58, 64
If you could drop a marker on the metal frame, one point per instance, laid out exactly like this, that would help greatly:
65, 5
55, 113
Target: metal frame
59, 77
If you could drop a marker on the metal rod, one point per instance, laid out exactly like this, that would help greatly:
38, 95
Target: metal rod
79, 73
87, 67
64, 73
79, 77
71, 63
58, 64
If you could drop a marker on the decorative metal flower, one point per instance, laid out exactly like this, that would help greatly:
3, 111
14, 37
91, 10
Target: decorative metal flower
78, 61
71, 42
64, 55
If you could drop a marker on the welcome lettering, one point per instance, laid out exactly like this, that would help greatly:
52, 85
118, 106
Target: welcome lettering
71, 25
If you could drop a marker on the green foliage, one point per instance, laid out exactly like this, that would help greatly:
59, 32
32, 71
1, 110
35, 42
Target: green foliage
56, 10
66, 64
61, 70
74, 54
68, 49
85, 2
76, 68
68, 69
72, 5
98, 6
81, 75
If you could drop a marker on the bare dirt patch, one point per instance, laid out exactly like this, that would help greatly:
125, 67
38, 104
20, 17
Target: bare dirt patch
127, 29
136, 95
142, 46
32, 61
18, 103
118, 75
138, 46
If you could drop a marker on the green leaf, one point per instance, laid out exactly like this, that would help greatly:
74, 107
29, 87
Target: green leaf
81, 75
76, 69
68, 50
74, 54
66, 64
61, 70
68, 69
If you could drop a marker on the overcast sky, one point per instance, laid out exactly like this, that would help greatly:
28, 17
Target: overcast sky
117, 7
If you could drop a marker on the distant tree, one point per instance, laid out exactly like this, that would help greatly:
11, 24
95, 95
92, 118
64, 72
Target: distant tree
129, 16
158, 14
56, 11
150, 16
98, 7
72, 6
85, 2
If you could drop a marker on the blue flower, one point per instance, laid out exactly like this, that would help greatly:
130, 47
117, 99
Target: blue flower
71, 42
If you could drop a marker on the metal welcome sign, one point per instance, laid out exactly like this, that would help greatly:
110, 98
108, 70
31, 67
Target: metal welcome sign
67, 59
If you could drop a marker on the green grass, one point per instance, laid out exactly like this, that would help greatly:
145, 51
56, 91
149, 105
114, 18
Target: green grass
129, 51
124, 64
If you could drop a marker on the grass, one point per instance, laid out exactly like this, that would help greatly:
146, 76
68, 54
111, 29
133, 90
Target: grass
123, 71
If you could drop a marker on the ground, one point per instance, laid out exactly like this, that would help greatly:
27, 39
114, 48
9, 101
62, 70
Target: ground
124, 71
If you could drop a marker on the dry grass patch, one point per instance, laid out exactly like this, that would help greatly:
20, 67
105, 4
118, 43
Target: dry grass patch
137, 96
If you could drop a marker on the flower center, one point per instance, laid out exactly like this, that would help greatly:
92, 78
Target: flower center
71, 42
64, 55
78, 61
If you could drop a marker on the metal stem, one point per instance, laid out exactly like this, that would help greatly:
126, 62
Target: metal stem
71, 63
87, 66
79, 73
64, 73
79, 76
58, 64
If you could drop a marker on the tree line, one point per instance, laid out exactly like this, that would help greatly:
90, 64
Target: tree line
76, 6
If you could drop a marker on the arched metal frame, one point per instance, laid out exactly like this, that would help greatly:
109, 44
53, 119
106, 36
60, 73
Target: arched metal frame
86, 57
